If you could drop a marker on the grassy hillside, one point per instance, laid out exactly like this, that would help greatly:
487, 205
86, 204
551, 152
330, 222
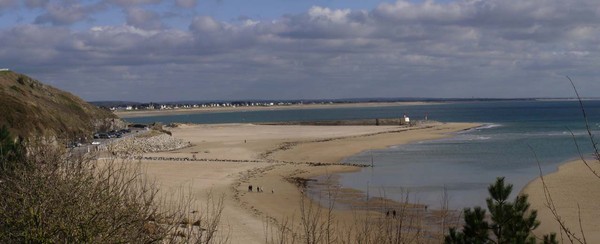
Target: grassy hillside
29, 107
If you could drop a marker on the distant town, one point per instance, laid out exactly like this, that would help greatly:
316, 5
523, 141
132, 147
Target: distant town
135, 106
174, 106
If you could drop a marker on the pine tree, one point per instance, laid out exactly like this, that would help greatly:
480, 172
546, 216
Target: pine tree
511, 222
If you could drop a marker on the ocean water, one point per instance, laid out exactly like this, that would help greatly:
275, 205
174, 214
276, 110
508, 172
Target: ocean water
514, 136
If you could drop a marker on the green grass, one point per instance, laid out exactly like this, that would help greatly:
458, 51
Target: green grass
16, 88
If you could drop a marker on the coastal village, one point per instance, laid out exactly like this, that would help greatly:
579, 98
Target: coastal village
173, 106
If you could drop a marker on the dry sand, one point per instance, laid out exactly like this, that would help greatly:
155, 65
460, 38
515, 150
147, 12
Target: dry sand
145, 113
246, 213
574, 191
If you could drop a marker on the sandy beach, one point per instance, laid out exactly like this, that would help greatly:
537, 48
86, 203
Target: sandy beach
573, 190
145, 113
239, 155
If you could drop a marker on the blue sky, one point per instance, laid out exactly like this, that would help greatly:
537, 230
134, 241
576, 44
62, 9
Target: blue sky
158, 50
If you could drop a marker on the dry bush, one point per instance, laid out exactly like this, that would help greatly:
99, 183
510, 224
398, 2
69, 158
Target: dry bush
58, 196
198, 222
279, 232
407, 225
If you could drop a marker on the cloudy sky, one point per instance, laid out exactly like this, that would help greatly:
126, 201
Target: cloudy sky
158, 50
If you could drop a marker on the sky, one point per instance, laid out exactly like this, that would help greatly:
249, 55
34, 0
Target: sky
158, 50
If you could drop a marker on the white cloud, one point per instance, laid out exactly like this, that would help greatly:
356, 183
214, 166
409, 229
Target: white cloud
337, 16
483, 47
426, 11
205, 24
250, 22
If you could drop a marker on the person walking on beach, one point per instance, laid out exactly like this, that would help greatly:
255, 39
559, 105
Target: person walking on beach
394, 213
250, 188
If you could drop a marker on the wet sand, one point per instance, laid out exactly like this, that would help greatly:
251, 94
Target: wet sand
278, 153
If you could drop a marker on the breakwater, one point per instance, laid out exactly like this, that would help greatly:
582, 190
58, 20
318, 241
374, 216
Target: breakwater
194, 159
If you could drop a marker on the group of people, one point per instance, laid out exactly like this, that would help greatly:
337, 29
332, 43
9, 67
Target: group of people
258, 189
387, 214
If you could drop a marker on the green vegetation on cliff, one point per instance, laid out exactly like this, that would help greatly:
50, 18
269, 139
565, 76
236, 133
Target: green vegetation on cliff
29, 107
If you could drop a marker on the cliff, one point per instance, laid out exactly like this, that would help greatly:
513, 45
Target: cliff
29, 107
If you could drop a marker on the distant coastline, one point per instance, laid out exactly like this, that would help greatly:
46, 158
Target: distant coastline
134, 110
181, 111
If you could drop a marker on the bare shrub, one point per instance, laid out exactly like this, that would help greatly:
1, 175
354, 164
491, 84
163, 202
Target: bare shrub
318, 224
279, 232
198, 222
403, 222
59, 196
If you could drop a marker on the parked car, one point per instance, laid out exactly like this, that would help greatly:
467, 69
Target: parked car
74, 144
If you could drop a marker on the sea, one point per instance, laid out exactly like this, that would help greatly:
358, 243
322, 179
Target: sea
515, 140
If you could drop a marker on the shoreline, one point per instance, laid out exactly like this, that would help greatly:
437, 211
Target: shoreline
569, 188
333, 177
353, 198
151, 113
247, 212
